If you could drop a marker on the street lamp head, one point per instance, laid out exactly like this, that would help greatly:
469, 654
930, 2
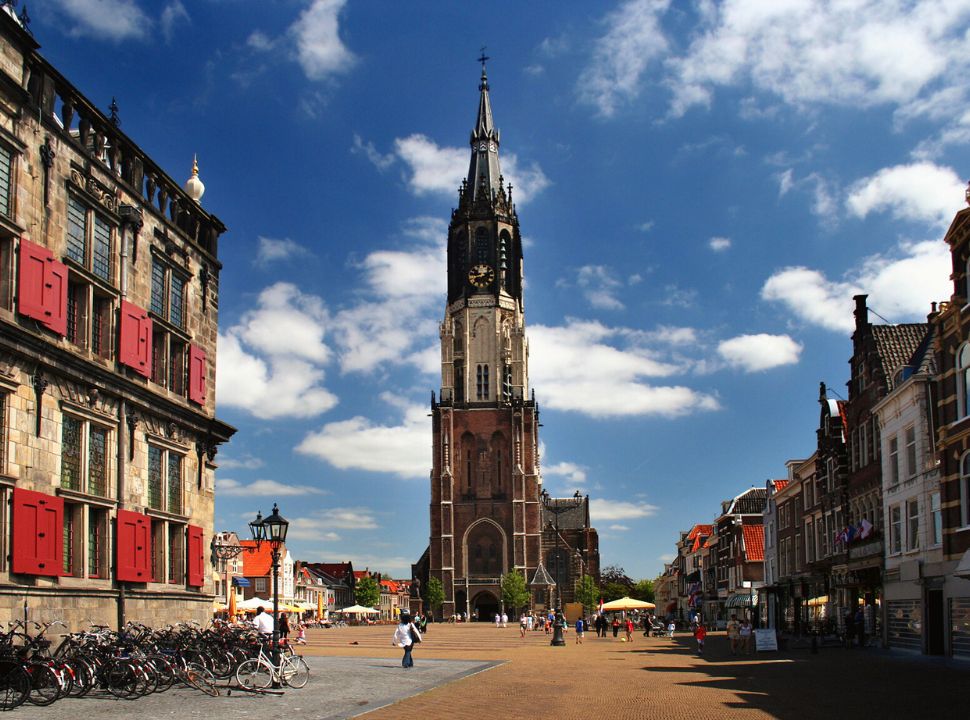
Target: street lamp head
275, 527
257, 528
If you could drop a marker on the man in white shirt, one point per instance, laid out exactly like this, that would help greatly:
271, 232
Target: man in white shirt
263, 622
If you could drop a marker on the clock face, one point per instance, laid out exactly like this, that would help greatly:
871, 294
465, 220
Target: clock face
481, 276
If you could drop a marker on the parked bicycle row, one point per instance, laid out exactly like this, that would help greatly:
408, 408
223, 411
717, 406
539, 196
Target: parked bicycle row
138, 661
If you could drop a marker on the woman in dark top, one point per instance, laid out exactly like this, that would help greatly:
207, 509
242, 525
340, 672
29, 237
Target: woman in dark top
284, 627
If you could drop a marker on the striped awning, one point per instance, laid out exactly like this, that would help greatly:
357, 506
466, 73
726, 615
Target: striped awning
737, 601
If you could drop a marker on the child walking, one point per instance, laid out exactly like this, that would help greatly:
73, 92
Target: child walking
301, 634
700, 632
580, 629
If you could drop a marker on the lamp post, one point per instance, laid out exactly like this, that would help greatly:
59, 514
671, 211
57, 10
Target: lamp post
272, 529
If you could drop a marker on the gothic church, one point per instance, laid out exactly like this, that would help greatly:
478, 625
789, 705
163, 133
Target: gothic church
489, 513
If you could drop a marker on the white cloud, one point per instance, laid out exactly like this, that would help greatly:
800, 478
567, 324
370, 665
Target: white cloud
599, 286
900, 284
434, 169
921, 191
632, 39
666, 557
273, 250
367, 149
319, 49
785, 182
271, 363
106, 19
596, 370
572, 472
359, 444
603, 509
309, 530
263, 488
385, 329
752, 353
857, 54
719, 244
172, 13
246, 462
619, 528
646, 226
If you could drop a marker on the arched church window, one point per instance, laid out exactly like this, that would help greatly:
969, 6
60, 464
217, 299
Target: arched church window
963, 381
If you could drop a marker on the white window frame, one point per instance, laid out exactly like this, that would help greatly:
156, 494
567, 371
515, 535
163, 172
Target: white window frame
912, 525
910, 438
936, 519
963, 381
895, 530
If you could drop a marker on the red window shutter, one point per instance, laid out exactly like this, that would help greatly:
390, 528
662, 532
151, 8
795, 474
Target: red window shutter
135, 339
134, 542
195, 560
42, 287
38, 526
197, 368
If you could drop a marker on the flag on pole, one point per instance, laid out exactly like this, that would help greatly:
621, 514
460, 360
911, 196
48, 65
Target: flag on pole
866, 528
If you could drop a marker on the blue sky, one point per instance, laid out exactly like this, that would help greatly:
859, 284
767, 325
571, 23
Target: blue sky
702, 188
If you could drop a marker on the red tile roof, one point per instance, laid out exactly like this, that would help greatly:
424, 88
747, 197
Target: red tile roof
256, 563
754, 542
780, 484
699, 530
710, 542
391, 586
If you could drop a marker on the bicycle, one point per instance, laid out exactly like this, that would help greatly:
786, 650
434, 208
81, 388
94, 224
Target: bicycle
259, 673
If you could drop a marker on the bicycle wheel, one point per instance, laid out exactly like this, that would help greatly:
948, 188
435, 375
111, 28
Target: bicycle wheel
83, 676
295, 671
45, 684
222, 664
14, 684
201, 678
254, 675
121, 680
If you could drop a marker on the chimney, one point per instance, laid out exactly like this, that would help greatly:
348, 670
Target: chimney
861, 312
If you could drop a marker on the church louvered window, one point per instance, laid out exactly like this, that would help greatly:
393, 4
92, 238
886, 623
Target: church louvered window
481, 245
481, 384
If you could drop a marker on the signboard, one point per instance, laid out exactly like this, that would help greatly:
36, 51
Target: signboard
765, 640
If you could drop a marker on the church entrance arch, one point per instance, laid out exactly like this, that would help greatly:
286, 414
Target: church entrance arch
485, 606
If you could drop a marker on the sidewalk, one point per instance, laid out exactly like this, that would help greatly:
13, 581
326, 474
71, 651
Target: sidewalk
478, 671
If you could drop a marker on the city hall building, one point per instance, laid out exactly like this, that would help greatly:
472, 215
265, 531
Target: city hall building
489, 513
109, 298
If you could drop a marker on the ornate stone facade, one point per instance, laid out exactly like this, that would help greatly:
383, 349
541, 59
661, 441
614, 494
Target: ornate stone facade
108, 324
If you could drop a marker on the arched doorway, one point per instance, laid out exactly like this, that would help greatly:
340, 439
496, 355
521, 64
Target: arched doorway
461, 602
485, 606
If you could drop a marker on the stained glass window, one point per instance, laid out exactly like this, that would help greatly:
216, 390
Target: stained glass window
71, 453
174, 483
154, 477
101, 261
97, 457
158, 288
77, 233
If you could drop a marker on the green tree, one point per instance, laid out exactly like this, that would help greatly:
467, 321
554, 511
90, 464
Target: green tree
434, 594
616, 574
643, 590
367, 592
586, 592
515, 595
614, 591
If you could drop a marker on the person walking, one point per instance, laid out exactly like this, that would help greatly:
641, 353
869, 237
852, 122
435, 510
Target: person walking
734, 634
405, 636
629, 629
616, 626
284, 628
263, 622
746, 635
580, 630
700, 633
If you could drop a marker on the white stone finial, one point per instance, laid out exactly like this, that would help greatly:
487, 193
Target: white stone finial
193, 186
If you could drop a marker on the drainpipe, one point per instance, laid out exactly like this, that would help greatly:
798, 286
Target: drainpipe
131, 222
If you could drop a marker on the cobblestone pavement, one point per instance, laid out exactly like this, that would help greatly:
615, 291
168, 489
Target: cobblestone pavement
357, 669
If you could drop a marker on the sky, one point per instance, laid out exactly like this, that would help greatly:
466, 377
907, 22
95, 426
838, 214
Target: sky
701, 187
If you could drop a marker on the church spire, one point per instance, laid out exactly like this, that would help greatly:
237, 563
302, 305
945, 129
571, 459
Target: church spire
483, 170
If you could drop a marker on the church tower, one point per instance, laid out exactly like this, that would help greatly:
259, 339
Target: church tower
485, 481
